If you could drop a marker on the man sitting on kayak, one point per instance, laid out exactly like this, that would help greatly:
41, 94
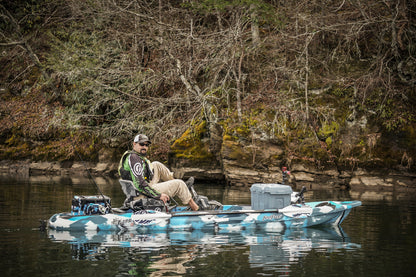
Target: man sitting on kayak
152, 179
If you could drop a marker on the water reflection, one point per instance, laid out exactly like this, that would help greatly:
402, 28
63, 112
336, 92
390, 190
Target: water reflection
272, 250
380, 241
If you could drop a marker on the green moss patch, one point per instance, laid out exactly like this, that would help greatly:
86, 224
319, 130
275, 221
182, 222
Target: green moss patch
192, 145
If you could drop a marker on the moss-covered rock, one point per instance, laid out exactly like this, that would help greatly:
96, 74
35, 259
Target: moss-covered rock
191, 145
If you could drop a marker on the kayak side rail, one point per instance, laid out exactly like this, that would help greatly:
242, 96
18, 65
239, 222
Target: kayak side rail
226, 212
299, 208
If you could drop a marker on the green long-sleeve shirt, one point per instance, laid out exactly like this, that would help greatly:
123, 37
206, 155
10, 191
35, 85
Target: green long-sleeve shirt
137, 168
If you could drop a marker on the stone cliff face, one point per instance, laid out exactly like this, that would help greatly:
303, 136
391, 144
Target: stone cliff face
242, 163
211, 154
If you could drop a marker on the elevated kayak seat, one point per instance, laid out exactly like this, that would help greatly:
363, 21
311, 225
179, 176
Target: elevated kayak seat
130, 191
137, 201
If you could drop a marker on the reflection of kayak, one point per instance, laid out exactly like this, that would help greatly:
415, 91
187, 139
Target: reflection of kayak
264, 246
297, 243
230, 217
163, 239
272, 209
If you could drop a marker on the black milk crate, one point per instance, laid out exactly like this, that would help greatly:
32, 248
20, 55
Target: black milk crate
92, 204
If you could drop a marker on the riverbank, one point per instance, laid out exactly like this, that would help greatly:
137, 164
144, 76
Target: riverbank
357, 180
28, 168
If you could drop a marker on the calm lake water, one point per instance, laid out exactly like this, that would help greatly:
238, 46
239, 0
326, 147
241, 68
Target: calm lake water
376, 239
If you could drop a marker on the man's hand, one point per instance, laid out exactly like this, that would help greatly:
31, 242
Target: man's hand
164, 197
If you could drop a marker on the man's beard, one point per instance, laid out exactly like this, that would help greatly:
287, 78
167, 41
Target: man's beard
143, 152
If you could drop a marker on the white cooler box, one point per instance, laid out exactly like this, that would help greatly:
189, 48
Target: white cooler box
270, 196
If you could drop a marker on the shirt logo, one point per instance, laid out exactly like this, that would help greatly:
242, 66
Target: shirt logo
137, 169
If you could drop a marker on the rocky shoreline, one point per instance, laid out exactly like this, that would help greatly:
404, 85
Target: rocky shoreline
25, 169
359, 179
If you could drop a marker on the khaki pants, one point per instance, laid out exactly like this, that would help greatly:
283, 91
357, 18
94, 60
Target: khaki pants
169, 185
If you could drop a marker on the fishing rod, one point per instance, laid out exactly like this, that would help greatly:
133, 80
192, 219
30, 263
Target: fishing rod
43, 223
108, 205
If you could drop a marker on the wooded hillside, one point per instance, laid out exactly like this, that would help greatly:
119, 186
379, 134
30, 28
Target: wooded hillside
331, 80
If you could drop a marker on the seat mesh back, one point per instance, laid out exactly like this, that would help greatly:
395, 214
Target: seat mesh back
128, 188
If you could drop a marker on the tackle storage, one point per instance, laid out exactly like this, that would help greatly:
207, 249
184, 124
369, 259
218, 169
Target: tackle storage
92, 204
270, 196
148, 204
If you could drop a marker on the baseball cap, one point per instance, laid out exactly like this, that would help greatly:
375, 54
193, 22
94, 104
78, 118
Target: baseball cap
141, 138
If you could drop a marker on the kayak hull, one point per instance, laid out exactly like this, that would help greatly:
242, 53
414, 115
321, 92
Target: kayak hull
229, 219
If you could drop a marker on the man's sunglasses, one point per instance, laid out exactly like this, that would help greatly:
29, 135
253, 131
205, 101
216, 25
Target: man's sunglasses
144, 144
